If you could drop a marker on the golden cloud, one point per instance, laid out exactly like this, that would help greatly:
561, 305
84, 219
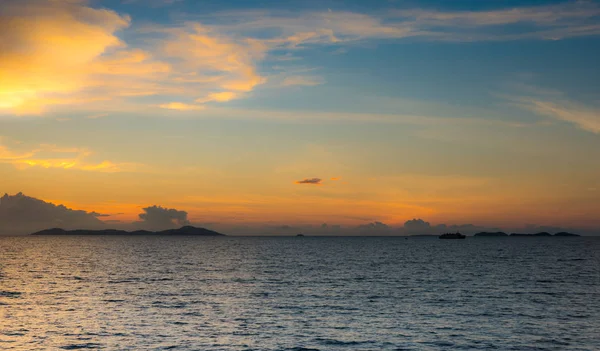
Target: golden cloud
219, 97
180, 106
66, 52
52, 156
47, 48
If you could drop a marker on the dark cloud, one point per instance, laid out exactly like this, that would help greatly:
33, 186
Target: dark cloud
157, 217
96, 214
374, 228
417, 226
313, 181
21, 214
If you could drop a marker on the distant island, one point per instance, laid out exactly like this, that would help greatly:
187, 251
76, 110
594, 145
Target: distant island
186, 230
541, 234
566, 234
491, 234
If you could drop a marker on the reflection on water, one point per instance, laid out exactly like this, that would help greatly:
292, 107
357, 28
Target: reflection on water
160, 293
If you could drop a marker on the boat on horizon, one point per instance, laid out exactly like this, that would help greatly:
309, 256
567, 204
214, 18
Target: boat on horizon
452, 236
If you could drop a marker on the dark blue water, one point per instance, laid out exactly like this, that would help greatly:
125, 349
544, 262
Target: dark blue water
179, 293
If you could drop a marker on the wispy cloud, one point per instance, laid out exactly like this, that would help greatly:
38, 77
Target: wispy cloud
584, 117
295, 30
52, 156
570, 13
311, 181
555, 105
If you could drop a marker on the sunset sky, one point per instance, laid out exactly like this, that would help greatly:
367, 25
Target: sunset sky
305, 112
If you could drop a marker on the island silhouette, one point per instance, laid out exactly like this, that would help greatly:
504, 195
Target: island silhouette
541, 234
185, 230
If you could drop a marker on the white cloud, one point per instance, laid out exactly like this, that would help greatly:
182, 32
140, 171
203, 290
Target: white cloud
584, 117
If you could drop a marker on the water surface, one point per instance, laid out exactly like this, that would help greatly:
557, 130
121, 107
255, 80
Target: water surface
299, 293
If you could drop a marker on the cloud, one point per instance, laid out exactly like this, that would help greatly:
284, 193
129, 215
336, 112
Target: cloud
302, 80
223, 96
299, 29
415, 226
313, 181
335, 178
374, 228
208, 60
584, 117
21, 214
549, 22
548, 14
64, 53
157, 217
47, 48
180, 106
52, 156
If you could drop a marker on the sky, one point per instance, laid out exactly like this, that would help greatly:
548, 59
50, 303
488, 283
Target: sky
248, 115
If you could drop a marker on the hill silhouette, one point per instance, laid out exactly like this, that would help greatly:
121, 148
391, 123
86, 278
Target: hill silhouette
185, 230
542, 234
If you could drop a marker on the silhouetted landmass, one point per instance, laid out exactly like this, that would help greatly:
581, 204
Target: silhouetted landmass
543, 234
536, 234
186, 230
452, 236
491, 234
566, 234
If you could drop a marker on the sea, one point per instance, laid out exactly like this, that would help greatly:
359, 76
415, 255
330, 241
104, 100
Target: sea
299, 293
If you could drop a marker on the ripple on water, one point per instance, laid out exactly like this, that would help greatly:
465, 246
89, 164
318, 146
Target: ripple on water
89, 345
341, 342
10, 294
275, 294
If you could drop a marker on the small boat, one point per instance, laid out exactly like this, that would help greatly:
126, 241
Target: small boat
300, 235
452, 236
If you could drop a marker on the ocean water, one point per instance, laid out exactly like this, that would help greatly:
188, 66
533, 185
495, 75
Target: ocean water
299, 293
